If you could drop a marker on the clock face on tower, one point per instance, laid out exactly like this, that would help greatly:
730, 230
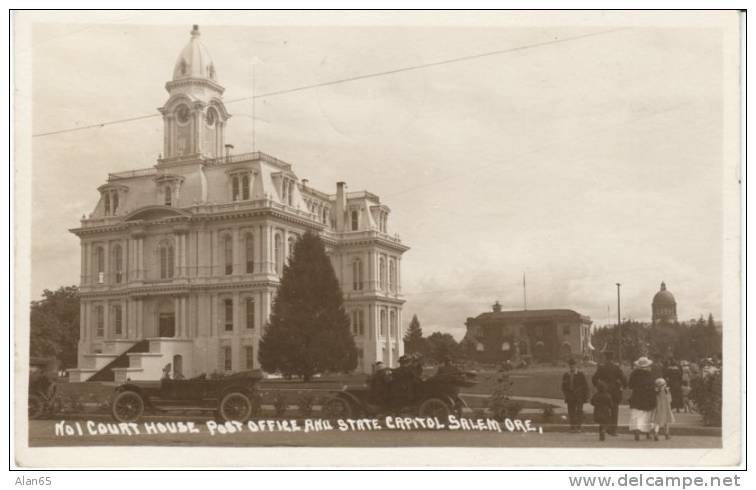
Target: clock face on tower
182, 114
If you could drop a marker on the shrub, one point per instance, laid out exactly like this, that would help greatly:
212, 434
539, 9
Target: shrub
706, 393
305, 403
279, 404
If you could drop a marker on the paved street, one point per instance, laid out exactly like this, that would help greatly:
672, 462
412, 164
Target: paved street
42, 433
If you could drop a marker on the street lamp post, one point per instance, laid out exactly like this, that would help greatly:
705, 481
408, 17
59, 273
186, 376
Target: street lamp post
619, 328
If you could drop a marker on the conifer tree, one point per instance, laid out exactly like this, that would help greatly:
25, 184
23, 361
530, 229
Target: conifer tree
413, 339
309, 330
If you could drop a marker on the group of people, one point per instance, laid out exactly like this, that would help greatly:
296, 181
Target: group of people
656, 391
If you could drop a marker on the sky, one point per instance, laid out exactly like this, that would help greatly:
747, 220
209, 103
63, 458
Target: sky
576, 163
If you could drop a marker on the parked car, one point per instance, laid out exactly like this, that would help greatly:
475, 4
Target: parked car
231, 397
42, 389
436, 396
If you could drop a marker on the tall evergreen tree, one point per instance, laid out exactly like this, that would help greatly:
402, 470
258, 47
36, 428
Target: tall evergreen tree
413, 339
309, 330
54, 325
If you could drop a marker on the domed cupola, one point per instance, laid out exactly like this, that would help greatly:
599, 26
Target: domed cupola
194, 115
663, 306
194, 60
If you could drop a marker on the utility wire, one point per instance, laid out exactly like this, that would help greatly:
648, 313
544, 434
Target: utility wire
349, 79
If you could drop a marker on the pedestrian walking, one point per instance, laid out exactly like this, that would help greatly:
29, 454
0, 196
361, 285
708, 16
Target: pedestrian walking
674, 376
615, 381
687, 404
642, 399
602, 409
663, 415
575, 390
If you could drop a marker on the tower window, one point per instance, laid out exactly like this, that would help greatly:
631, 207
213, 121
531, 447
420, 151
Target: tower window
355, 221
167, 198
107, 204
357, 275
115, 202
100, 261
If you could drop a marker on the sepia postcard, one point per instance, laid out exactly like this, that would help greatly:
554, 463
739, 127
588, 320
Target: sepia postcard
377, 238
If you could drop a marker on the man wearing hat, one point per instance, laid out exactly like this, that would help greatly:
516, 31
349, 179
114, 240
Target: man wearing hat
615, 380
575, 389
402, 384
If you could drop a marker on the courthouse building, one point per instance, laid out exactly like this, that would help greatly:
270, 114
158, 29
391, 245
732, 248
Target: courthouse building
180, 261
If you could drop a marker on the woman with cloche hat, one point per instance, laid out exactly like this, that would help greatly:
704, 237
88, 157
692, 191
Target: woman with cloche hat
642, 399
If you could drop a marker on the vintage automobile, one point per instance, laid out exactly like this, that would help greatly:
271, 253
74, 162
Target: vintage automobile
42, 389
231, 397
436, 396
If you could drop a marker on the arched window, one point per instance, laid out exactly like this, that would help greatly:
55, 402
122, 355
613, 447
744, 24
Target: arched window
291, 193
249, 252
382, 272
100, 264
99, 321
167, 195
166, 260
250, 313
115, 202
357, 275
278, 253
245, 187
383, 322
392, 275
235, 188
355, 221
290, 248
228, 255
392, 324
107, 203
117, 320
325, 215
118, 263
228, 315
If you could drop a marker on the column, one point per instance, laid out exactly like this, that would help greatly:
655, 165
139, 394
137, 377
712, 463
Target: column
371, 271
140, 258
214, 252
106, 320
399, 275
82, 321
106, 249
83, 264
202, 252
237, 314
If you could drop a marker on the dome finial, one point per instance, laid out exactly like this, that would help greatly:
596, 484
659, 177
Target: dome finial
663, 286
195, 30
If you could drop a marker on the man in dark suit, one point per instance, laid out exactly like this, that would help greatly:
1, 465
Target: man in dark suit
615, 380
575, 389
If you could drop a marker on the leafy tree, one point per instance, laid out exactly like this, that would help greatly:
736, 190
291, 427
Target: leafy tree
54, 325
413, 339
309, 330
442, 345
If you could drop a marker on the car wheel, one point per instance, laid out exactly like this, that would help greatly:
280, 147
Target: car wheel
434, 407
235, 406
36, 406
127, 406
337, 408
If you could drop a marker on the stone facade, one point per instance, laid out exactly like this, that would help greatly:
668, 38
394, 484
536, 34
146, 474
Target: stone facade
188, 253
534, 335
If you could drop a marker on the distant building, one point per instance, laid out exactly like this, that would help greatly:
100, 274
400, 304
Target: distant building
663, 307
538, 335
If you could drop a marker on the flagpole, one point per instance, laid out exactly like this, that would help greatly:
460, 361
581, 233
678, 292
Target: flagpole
524, 293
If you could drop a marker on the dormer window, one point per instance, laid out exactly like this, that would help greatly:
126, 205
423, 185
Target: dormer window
240, 184
355, 221
107, 203
167, 198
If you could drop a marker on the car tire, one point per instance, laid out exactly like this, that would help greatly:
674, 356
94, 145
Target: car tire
337, 408
434, 407
127, 406
235, 406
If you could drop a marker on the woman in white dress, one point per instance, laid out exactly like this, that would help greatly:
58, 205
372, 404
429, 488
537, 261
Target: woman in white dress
643, 398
